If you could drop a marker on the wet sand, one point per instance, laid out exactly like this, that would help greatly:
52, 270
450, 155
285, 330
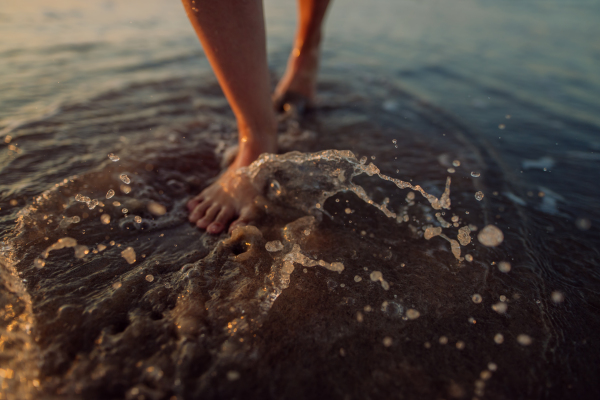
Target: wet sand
133, 302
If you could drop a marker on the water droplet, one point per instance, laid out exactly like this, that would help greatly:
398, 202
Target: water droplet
477, 298
113, 157
128, 254
524, 340
557, 297
475, 174
110, 194
125, 179
81, 251
500, 307
376, 276
156, 208
233, 376
504, 266
479, 196
490, 236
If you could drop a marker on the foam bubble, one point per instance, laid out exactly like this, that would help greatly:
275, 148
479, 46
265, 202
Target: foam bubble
490, 236
129, 255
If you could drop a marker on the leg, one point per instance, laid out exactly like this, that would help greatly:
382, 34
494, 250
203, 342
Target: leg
232, 33
300, 77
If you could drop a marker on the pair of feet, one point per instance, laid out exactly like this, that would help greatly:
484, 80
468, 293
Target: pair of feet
229, 201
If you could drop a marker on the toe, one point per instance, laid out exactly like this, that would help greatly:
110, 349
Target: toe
209, 217
199, 211
193, 202
219, 224
247, 215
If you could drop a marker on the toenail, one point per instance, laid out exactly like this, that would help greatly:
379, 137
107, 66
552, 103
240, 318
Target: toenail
215, 227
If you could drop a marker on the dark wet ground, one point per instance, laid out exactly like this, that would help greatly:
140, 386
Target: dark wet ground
197, 316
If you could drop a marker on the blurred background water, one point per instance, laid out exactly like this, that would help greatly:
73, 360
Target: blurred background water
511, 87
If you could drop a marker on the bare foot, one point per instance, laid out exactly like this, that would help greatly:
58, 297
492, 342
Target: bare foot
232, 195
298, 83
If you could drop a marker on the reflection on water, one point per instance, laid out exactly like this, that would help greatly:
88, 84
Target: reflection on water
365, 275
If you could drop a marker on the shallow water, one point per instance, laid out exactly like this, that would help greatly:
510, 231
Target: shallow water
325, 297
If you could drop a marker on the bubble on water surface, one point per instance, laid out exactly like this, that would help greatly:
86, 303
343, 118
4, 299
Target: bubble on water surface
125, 189
357, 278
456, 163
105, 219
443, 340
137, 219
477, 298
499, 338
156, 208
113, 157
490, 236
557, 297
110, 194
500, 307
524, 340
117, 285
129, 255
101, 247
125, 179
468, 257
504, 266
81, 251
274, 246
460, 345
387, 341
39, 263
149, 278
233, 376
412, 313
475, 174
479, 196
124, 210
